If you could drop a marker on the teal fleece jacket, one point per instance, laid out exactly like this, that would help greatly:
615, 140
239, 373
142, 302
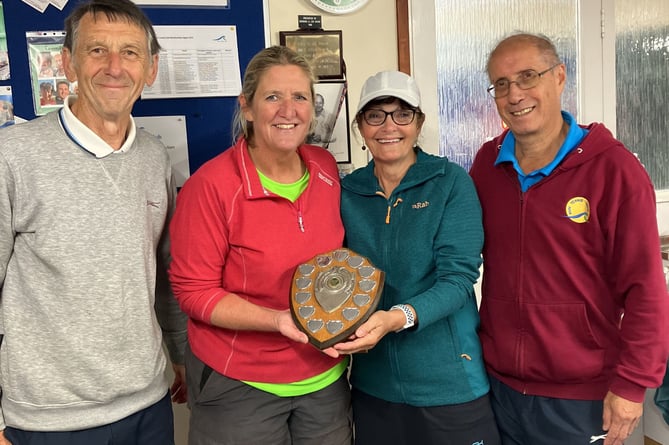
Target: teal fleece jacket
427, 238
662, 396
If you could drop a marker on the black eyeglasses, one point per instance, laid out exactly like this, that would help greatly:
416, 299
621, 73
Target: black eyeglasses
376, 117
526, 79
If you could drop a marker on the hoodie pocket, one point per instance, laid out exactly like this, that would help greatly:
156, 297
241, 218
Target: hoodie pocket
540, 342
560, 344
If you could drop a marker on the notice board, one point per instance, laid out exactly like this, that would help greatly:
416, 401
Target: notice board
208, 119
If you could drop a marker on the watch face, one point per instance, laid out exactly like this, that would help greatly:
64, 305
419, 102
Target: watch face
339, 6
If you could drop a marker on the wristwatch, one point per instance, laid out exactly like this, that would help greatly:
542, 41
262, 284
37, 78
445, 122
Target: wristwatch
339, 6
408, 313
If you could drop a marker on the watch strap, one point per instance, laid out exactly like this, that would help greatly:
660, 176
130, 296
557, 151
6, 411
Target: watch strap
408, 313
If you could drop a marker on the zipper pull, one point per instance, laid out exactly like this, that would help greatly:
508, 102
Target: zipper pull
300, 222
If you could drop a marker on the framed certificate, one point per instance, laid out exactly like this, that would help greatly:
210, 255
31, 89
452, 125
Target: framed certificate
322, 49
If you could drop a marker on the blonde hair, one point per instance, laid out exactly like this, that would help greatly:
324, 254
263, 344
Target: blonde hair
257, 67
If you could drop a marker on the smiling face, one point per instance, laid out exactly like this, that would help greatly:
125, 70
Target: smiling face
46, 61
319, 103
281, 109
111, 63
58, 59
534, 111
390, 143
63, 90
46, 92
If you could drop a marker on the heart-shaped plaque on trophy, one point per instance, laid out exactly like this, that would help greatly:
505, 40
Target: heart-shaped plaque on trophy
334, 293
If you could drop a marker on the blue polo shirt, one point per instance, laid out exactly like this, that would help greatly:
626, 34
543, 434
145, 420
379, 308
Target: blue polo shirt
508, 153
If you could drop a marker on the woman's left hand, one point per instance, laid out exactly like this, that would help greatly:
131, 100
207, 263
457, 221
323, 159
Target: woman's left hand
371, 332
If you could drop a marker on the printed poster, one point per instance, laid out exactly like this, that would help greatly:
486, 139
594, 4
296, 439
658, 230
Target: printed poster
196, 61
49, 85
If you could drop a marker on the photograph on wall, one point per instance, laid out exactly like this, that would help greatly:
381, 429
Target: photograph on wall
331, 129
49, 85
4, 54
6, 107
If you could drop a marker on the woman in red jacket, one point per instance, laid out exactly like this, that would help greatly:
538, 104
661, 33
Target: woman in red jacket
244, 221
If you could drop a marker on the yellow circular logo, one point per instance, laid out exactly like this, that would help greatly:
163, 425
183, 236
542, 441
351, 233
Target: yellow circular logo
578, 209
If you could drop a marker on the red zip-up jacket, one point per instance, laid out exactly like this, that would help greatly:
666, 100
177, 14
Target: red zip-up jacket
230, 235
574, 301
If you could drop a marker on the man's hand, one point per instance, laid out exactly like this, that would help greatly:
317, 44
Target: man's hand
178, 390
3, 440
621, 417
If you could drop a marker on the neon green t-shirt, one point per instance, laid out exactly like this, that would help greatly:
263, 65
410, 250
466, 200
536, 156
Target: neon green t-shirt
289, 191
320, 381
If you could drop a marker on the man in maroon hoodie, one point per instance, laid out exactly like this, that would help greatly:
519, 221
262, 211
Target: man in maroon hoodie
575, 311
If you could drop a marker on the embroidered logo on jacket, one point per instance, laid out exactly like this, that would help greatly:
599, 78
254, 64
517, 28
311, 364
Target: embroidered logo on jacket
578, 209
322, 177
420, 205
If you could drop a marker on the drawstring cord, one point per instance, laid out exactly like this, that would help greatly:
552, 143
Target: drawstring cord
397, 201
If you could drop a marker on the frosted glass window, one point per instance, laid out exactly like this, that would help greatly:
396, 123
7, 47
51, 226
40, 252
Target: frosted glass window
466, 32
642, 83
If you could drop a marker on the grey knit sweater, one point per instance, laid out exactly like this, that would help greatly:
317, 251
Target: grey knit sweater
79, 238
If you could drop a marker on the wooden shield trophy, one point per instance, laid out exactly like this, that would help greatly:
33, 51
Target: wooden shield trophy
334, 293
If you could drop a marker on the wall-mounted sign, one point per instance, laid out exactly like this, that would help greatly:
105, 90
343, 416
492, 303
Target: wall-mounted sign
322, 49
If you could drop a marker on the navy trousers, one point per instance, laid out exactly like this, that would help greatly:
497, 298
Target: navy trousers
151, 426
531, 420
379, 422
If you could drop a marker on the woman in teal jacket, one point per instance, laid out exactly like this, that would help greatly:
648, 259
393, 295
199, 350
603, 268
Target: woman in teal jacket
419, 377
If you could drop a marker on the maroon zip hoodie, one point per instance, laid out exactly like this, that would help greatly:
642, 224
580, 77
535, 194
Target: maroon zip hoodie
574, 301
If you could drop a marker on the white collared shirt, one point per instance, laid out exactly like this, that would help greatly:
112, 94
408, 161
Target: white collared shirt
86, 138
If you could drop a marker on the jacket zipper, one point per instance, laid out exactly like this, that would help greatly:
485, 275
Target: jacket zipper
520, 359
300, 220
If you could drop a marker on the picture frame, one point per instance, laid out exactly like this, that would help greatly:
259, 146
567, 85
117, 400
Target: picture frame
332, 120
322, 49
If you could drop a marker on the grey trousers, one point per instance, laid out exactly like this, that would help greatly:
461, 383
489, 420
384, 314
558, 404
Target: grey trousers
225, 411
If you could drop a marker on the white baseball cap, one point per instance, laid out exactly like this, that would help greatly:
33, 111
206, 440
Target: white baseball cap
390, 83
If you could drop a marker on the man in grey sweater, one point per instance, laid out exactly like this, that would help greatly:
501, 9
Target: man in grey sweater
84, 201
